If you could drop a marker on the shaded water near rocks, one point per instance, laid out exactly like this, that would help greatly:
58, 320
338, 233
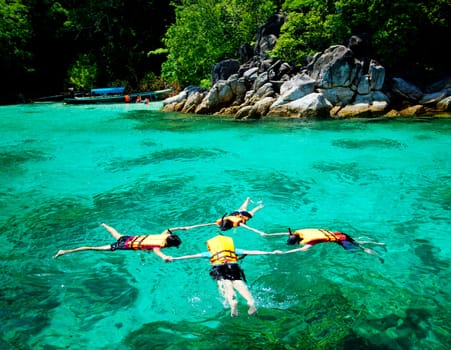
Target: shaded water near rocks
67, 169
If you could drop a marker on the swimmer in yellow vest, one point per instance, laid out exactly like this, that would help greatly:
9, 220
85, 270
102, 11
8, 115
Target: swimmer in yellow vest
154, 243
226, 272
311, 236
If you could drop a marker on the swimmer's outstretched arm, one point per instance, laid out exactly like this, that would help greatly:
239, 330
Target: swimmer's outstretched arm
303, 249
185, 228
261, 233
278, 234
260, 252
194, 256
163, 256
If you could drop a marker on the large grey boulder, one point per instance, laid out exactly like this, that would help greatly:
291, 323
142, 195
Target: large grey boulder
224, 69
338, 96
376, 75
220, 95
406, 90
444, 105
314, 105
193, 101
335, 67
294, 89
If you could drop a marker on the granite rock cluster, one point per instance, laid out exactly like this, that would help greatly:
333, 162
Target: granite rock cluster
340, 82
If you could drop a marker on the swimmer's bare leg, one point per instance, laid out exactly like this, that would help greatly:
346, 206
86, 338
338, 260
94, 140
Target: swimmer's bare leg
257, 208
373, 243
243, 206
372, 252
242, 288
112, 231
68, 251
226, 289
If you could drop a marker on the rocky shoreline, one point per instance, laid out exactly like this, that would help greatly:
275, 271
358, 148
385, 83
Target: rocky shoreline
340, 82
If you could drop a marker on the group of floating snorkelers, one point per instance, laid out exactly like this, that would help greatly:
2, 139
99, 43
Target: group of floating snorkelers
222, 253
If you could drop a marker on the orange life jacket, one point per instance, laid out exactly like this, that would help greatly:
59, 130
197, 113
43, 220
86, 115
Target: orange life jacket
314, 235
146, 242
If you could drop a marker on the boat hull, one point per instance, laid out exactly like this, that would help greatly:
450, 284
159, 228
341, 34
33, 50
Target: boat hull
130, 98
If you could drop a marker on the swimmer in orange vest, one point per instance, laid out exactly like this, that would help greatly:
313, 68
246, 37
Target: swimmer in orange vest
154, 243
237, 218
312, 236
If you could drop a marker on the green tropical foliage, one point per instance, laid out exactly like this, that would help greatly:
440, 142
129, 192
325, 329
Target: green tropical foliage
15, 38
401, 31
48, 45
306, 33
83, 73
207, 31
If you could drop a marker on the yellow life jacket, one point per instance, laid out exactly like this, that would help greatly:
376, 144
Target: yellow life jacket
314, 235
222, 250
149, 241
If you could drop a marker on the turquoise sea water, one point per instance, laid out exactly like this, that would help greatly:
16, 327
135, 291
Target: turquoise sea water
67, 169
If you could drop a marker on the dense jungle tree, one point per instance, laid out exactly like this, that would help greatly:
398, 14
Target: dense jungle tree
43, 41
47, 44
207, 31
407, 37
116, 36
15, 37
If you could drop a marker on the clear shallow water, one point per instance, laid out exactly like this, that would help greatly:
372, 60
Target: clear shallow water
66, 169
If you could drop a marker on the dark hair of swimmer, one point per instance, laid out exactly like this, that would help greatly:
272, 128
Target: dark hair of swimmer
226, 225
293, 239
173, 241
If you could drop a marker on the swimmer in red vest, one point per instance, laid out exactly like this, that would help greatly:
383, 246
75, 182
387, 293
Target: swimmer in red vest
154, 243
312, 236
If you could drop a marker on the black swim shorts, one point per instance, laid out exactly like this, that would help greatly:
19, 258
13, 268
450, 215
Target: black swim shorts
120, 243
242, 213
346, 241
227, 272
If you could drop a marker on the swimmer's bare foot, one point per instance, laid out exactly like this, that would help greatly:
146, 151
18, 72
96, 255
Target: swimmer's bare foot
60, 252
252, 310
234, 309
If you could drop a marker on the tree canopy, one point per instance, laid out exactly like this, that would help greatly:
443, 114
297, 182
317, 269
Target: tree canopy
49, 45
400, 32
207, 31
